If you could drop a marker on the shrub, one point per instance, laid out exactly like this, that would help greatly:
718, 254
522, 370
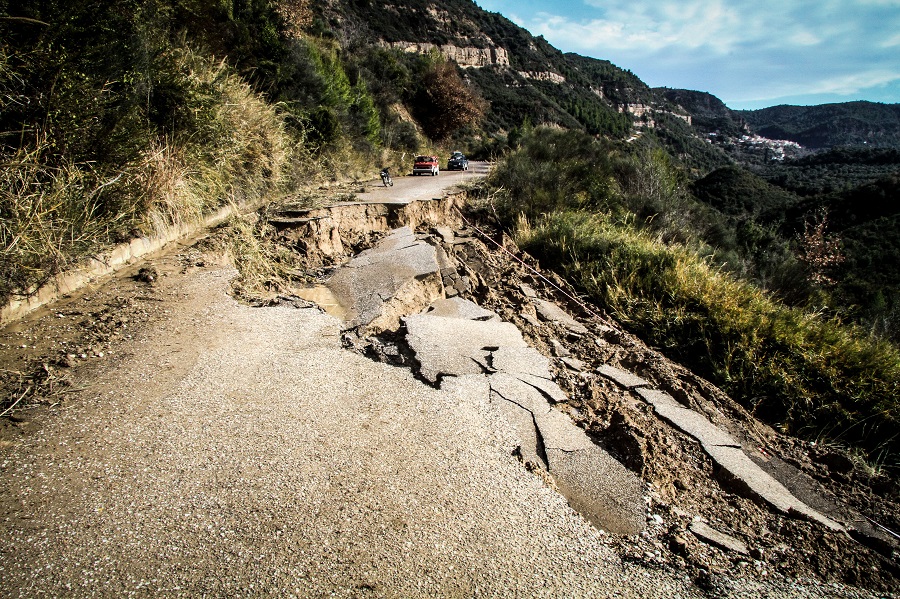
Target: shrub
810, 375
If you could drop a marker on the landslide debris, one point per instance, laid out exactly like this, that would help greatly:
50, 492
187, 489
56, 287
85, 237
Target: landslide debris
804, 511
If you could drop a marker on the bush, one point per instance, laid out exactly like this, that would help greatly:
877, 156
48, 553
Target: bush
809, 375
621, 224
554, 170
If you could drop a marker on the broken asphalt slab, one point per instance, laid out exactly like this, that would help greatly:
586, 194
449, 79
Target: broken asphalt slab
552, 313
400, 280
595, 484
726, 452
447, 346
398, 276
623, 378
710, 535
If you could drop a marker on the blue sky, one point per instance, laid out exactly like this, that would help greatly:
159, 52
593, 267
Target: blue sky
750, 54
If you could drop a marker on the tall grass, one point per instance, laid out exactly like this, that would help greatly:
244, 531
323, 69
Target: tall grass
232, 147
49, 216
810, 375
618, 223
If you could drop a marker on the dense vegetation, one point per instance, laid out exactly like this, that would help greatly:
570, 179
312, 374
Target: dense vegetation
577, 204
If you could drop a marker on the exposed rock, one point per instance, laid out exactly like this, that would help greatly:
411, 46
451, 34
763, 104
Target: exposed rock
558, 349
465, 57
573, 363
543, 76
527, 290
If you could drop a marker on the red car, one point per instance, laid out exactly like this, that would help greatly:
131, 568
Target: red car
426, 165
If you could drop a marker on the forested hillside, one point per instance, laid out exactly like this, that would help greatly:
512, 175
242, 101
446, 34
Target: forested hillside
851, 123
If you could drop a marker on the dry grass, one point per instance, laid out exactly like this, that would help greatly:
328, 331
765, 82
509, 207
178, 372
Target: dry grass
802, 371
50, 216
54, 212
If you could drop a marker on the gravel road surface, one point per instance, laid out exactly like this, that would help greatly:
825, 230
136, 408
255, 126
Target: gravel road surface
408, 187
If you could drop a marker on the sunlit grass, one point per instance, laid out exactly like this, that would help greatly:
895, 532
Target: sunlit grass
804, 372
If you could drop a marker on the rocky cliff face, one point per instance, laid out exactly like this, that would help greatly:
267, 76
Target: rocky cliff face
466, 57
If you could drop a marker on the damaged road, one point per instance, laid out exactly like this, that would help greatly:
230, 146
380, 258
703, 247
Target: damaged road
554, 401
510, 442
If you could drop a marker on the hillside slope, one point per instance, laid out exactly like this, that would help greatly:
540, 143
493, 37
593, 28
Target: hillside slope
525, 79
828, 125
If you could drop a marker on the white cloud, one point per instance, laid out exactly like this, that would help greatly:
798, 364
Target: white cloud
719, 26
805, 38
891, 41
851, 83
733, 48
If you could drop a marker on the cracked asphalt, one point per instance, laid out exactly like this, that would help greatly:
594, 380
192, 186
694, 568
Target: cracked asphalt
242, 451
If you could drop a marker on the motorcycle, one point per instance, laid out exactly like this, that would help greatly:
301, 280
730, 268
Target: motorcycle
386, 178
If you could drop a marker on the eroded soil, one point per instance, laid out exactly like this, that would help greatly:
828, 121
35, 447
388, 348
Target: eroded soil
39, 355
682, 482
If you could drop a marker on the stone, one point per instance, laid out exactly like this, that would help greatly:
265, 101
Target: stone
527, 290
573, 364
622, 378
553, 313
710, 535
558, 349
445, 233
530, 319
678, 545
